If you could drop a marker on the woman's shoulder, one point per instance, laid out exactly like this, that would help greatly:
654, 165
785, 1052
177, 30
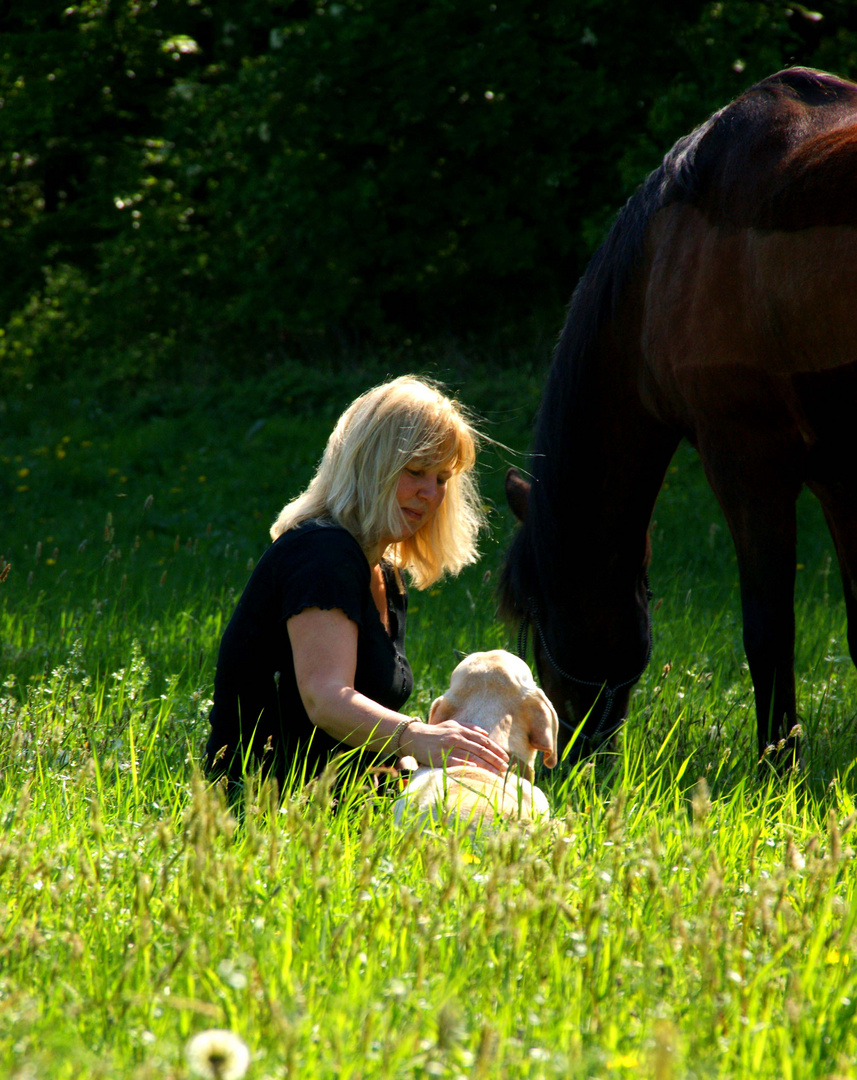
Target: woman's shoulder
318, 541
319, 564
315, 530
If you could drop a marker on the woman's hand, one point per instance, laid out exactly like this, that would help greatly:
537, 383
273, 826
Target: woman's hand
452, 743
324, 647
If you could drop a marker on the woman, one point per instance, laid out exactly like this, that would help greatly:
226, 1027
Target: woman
313, 659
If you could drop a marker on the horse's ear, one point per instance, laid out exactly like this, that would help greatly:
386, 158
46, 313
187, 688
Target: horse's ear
517, 493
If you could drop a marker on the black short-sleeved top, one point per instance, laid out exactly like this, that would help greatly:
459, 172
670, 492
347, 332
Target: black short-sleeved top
256, 697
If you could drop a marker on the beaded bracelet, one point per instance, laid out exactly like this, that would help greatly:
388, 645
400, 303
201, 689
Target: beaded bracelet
396, 737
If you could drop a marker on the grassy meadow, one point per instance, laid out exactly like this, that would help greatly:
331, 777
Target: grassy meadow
679, 917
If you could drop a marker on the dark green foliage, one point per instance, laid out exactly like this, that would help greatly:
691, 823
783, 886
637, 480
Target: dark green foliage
218, 185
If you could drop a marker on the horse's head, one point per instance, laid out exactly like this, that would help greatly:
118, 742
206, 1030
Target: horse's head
588, 654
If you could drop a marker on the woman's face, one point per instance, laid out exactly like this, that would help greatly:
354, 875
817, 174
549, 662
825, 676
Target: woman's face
420, 492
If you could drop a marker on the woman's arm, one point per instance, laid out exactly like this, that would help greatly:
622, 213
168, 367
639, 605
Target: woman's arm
324, 648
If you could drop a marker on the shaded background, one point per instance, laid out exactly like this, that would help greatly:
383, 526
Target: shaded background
197, 188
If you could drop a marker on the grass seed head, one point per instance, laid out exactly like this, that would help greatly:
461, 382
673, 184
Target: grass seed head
835, 840
701, 801
664, 1051
450, 1027
794, 860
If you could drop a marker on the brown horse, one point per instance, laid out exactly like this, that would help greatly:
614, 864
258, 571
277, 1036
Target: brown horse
721, 308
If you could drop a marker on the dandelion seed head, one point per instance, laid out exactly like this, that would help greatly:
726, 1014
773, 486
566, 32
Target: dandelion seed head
217, 1054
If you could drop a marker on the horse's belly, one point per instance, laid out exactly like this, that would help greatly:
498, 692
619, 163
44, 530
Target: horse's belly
806, 285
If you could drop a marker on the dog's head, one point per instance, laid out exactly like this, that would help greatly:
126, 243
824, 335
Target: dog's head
496, 691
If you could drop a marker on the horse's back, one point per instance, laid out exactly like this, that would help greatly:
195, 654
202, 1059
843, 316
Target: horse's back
782, 156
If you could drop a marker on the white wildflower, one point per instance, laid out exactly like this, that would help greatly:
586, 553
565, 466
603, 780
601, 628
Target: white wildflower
218, 1055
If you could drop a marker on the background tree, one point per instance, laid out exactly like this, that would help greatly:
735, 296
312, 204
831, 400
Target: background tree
211, 184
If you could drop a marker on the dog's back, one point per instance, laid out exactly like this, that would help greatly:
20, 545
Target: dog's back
472, 794
496, 691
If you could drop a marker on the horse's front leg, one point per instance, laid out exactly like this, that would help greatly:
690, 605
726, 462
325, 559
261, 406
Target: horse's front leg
767, 603
760, 510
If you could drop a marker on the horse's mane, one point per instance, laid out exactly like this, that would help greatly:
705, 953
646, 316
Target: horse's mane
723, 168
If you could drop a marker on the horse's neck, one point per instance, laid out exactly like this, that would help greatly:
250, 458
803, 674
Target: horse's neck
604, 481
600, 471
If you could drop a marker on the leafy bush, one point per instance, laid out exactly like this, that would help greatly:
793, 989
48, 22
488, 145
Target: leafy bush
208, 187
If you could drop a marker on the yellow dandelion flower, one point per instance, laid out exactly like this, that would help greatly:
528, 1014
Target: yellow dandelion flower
23, 472
834, 956
23, 487
217, 1054
623, 1061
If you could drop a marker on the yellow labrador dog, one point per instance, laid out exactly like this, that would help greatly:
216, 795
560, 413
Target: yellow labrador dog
496, 691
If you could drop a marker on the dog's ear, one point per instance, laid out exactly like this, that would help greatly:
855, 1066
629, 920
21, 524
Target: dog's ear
543, 728
441, 709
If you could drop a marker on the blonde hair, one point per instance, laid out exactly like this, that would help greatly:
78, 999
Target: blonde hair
404, 420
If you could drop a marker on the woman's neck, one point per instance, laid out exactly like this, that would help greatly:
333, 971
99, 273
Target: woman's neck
375, 554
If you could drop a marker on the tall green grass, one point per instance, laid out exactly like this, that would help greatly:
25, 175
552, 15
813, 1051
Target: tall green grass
678, 917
